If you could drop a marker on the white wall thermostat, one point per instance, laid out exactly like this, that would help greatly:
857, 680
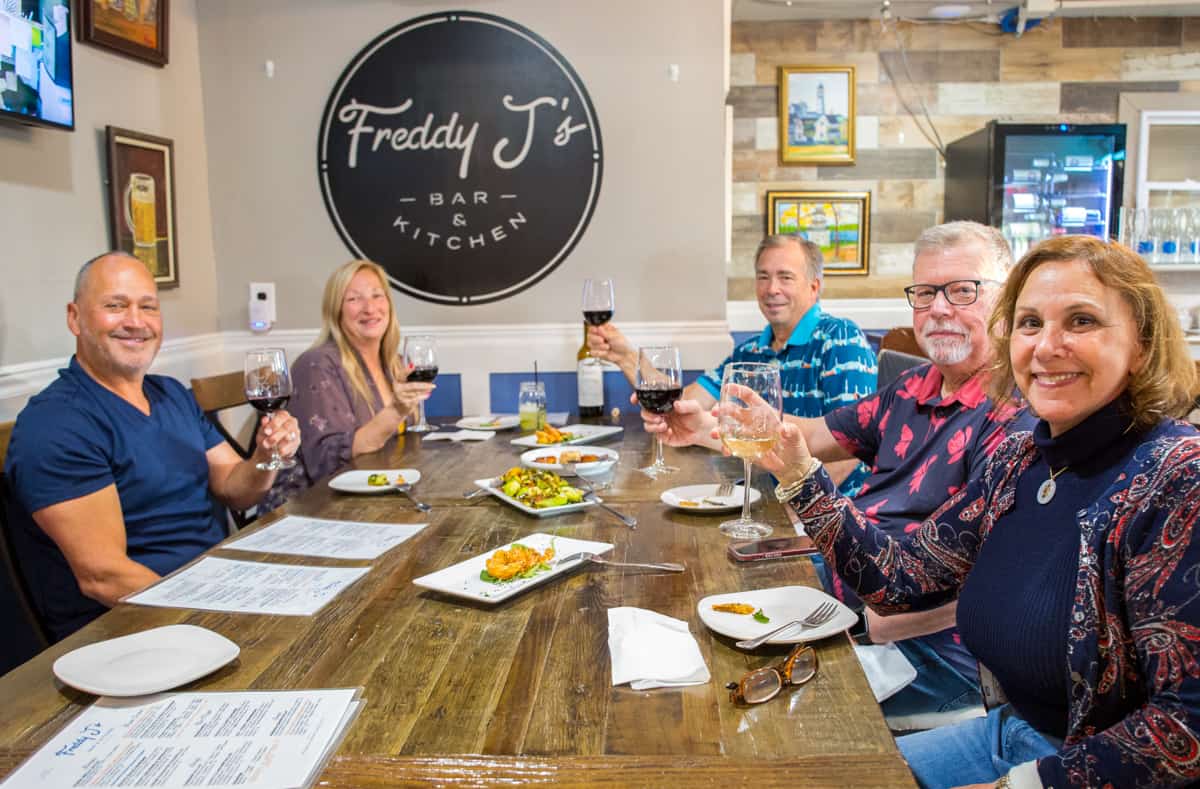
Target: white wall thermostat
262, 306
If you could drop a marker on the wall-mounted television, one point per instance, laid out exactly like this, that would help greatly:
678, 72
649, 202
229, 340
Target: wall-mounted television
36, 81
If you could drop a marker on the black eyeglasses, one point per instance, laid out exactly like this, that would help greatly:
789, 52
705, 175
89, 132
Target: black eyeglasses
764, 684
959, 292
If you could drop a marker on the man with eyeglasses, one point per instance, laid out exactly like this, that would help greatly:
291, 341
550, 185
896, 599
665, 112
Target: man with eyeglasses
923, 436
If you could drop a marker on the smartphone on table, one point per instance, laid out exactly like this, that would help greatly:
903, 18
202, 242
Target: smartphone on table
771, 548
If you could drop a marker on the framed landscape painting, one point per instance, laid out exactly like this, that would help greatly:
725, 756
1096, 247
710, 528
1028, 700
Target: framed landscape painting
137, 28
838, 222
816, 114
141, 211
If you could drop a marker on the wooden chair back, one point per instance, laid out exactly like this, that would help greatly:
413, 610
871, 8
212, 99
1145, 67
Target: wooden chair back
215, 394
902, 339
6, 429
24, 634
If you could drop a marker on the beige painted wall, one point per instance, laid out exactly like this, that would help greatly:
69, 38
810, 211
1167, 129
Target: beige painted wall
659, 221
53, 199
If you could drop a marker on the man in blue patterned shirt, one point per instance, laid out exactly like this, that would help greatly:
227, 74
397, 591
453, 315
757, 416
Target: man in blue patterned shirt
825, 361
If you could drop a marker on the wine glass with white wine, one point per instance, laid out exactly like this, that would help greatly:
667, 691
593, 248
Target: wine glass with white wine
750, 410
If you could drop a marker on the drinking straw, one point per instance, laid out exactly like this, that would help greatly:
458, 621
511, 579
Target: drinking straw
535, 378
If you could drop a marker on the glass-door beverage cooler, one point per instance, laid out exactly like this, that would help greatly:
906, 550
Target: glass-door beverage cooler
1034, 181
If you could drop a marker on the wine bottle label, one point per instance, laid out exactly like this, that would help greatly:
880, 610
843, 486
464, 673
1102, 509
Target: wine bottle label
591, 385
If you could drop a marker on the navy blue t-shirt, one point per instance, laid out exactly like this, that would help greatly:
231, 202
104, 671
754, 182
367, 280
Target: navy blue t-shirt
75, 438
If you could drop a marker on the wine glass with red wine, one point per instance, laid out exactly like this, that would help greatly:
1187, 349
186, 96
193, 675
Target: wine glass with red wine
268, 385
598, 303
420, 360
659, 385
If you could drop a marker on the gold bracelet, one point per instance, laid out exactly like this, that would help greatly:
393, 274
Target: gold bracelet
788, 492
1002, 782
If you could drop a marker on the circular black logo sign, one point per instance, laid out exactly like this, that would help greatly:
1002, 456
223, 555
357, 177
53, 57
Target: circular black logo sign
461, 152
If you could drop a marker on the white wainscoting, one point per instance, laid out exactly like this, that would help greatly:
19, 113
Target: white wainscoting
473, 352
867, 313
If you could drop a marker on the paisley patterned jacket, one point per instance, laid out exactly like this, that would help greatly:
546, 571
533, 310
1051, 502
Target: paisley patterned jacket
1134, 640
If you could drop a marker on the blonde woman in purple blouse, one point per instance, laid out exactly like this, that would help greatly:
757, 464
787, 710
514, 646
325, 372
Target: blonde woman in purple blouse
349, 392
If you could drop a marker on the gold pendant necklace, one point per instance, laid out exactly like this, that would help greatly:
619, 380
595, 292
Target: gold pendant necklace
1048, 488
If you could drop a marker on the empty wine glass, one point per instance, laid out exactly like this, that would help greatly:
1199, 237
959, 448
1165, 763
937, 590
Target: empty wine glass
598, 304
750, 410
420, 360
659, 385
268, 386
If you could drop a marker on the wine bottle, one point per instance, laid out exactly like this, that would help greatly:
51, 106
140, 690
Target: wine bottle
590, 379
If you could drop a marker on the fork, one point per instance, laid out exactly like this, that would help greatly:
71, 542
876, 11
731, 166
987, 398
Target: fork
593, 558
406, 490
822, 614
724, 491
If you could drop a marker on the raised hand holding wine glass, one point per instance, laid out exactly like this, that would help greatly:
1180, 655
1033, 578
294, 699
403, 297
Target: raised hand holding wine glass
599, 302
420, 363
748, 420
659, 385
268, 386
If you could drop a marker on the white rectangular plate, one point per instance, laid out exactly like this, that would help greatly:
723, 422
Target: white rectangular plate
490, 486
462, 579
781, 604
145, 662
583, 434
489, 422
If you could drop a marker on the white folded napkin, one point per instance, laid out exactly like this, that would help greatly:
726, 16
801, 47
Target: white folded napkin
459, 435
649, 650
887, 670
557, 418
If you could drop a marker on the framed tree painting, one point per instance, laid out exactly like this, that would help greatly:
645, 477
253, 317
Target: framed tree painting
838, 222
141, 211
137, 28
816, 114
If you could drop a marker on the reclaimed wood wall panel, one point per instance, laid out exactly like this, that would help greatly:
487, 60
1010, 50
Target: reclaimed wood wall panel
1070, 70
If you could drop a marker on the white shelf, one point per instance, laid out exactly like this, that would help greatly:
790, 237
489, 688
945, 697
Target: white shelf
1174, 266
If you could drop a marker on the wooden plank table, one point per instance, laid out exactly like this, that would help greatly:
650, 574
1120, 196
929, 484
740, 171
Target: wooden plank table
459, 693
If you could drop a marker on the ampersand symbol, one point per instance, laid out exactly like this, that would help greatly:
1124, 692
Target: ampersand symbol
458, 220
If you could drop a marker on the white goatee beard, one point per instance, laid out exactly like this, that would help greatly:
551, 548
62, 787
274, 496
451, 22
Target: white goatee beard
946, 351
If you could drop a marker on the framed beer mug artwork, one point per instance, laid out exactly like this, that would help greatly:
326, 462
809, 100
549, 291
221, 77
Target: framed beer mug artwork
141, 187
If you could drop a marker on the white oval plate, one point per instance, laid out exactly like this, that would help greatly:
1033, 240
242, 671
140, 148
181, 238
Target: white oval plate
781, 605
529, 459
148, 662
356, 481
697, 493
489, 422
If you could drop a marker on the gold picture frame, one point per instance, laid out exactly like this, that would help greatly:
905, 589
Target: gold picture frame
838, 222
136, 28
816, 114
